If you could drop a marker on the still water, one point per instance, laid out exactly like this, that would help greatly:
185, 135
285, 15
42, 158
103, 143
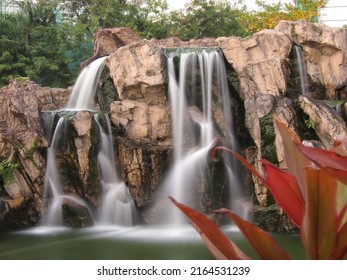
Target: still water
120, 243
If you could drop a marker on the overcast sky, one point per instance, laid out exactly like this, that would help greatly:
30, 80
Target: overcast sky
334, 15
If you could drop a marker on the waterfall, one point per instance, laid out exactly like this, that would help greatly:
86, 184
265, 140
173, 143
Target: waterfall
53, 185
201, 115
117, 206
304, 86
199, 90
85, 87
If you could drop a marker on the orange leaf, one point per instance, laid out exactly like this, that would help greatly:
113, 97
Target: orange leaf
218, 244
319, 228
341, 247
263, 244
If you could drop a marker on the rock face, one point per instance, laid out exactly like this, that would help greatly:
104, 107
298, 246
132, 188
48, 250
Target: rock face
139, 72
259, 61
21, 142
141, 117
260, 71
108, 40
174, 42
325, 54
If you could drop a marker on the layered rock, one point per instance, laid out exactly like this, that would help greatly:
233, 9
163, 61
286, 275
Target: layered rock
139, 72
141, 117
22, 139
260, 62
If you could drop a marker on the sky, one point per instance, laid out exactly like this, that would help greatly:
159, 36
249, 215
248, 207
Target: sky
334, 15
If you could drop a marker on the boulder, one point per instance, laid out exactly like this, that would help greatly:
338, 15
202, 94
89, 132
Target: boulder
109, 40
328, 125
139, 72
260, 62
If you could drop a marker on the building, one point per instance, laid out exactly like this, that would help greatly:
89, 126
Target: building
335, 13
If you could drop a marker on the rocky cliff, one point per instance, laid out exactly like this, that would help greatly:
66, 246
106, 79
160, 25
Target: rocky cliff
263, 78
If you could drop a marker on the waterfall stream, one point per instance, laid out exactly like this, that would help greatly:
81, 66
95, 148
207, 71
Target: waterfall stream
304, 85
197, 93
117, 206
201, 116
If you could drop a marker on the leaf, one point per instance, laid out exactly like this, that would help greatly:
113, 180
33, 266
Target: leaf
295, 160
334, 163
285, 190
263, 244
341, 204
282, 185
341, 246
218, 244
319, 228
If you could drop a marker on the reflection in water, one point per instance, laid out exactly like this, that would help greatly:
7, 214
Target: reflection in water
108, 242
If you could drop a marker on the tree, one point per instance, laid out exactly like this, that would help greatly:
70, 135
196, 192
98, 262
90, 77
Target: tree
13, 53
207, 18
270, 15
34, 45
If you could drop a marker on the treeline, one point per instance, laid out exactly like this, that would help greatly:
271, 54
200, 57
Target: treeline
45, 40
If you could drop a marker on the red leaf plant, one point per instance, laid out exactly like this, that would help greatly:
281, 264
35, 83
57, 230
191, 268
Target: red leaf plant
313, 192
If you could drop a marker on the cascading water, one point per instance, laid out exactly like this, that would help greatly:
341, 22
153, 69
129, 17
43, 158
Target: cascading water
199, 95
86, 85
117, 206
304, 85
199, 92
53, 185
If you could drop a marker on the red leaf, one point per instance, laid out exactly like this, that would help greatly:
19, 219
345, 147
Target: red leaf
263, 244
319, 228
218, 244
285, 190
335, 164
282, 185
342, 141
294, 159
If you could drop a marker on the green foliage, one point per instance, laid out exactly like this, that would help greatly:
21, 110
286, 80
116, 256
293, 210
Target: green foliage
309, 123
6, 171
207, 19
48, 39
269, 15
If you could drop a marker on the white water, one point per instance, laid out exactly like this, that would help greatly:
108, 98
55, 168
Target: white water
84, 90
304, 86
117, 206
201, 81
204, 70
